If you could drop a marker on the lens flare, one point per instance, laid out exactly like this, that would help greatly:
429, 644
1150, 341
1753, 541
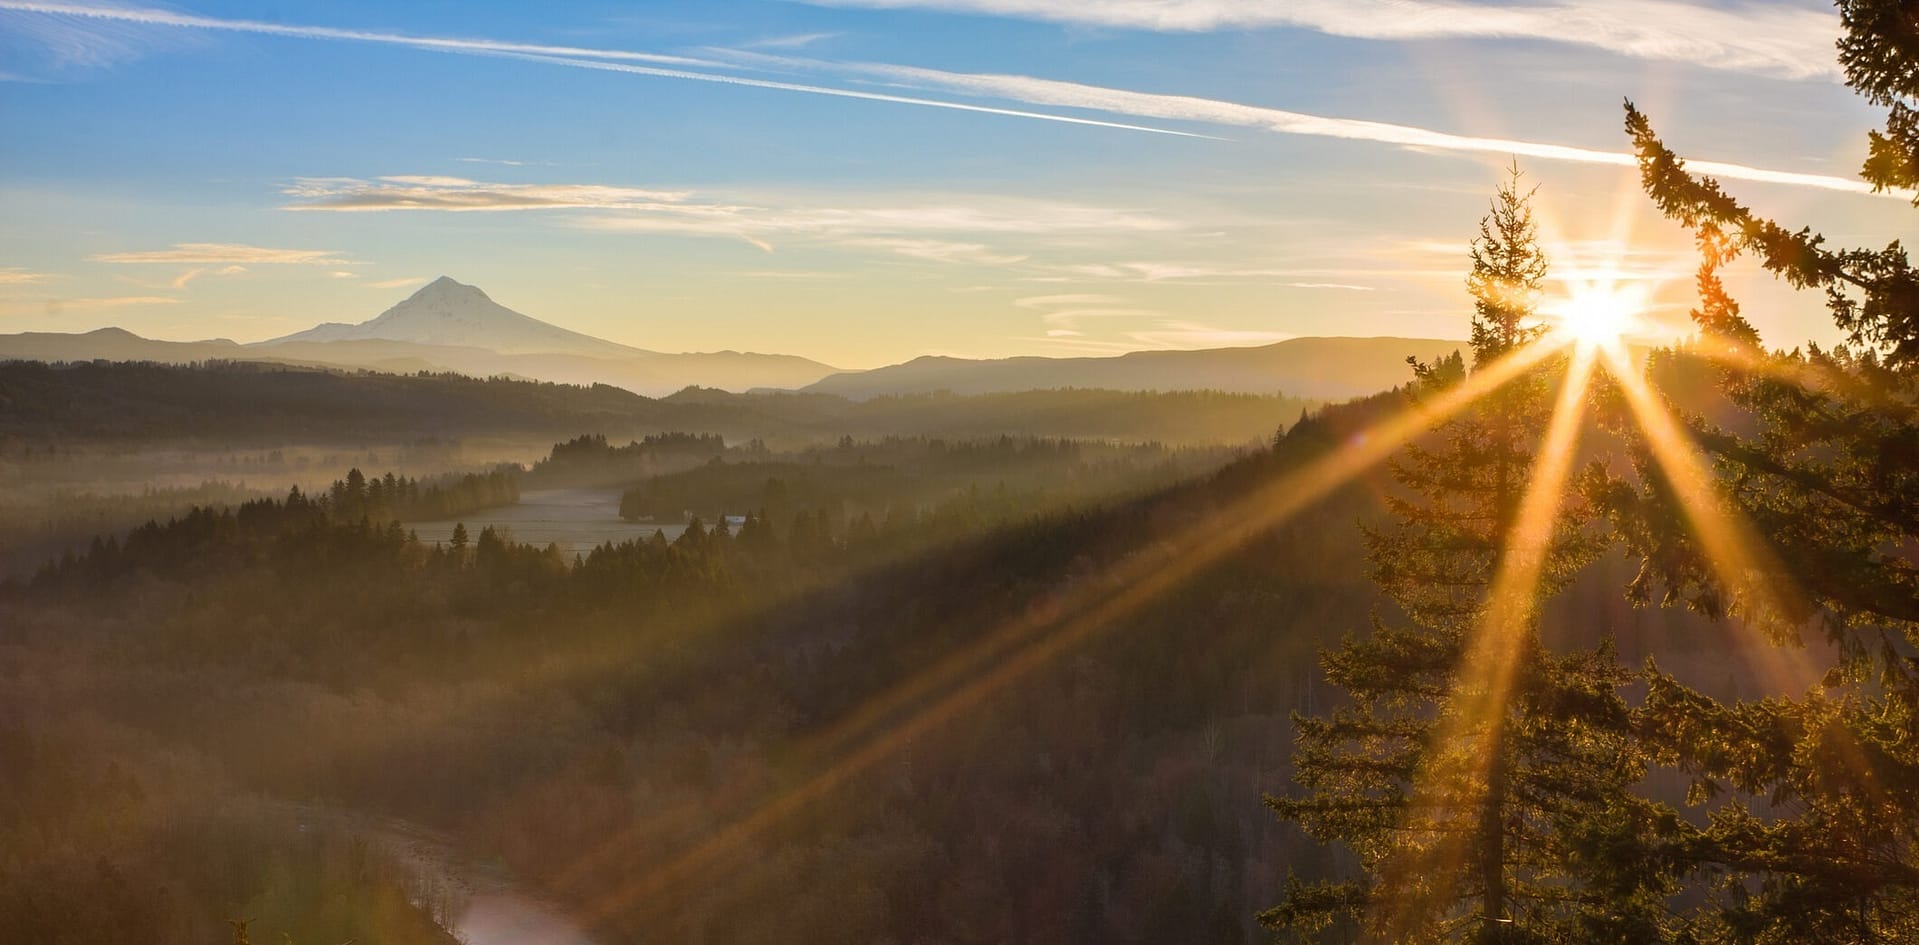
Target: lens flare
1599, 314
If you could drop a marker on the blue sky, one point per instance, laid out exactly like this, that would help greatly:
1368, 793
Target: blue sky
1181, 173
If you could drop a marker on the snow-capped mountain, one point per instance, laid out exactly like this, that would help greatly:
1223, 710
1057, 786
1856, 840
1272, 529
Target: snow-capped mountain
445, 313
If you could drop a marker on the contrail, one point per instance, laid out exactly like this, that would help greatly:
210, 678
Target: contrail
1016, 88
154, 17
1059, 94
1764, 38
574, 56
840, 93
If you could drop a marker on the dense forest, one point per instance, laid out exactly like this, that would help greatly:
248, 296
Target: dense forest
223, 404
1550, 644
623, 708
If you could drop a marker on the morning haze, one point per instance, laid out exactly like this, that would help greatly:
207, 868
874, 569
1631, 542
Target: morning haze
958, 471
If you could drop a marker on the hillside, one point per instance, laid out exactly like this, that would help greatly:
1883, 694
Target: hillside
1322, 368
261, 403
446, 326
449, 326
970, 755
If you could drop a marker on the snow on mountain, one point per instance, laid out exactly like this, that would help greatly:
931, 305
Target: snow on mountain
446, 313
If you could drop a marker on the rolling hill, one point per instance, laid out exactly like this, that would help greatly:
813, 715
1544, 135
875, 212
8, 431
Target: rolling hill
1323, 368
449, 326
446, 326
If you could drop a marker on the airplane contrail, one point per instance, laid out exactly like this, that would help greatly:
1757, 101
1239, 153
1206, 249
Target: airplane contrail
1027, 90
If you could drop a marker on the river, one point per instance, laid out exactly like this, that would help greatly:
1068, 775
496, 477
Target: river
477, 902
578, 520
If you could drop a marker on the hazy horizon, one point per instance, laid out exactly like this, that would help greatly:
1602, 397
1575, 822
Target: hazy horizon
975, 472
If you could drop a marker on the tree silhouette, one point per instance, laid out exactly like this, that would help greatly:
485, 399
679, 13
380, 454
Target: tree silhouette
1814, 801
1464, 823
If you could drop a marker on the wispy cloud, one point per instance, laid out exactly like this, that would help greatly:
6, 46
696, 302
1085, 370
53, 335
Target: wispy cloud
801, 275
1157, 333
1051, 93
1187, 334
1341, 286
55, 306
503, 162
1042, 302
1065, 315
1581, 261
794, 41
1060, 94
1765, 38
152, 16
90, 42
119, 301
1074, 317
400, 283
1159, 271
926, 228
615, 60
457, 194
183, 279
941, 251
228, 254
843, 93
14, 275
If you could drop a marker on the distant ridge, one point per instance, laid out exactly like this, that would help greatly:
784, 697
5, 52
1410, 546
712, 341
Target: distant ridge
449, 326
1322, 368
446, 326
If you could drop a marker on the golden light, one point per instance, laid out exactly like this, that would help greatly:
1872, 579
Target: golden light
1598, 314
1455, 776
893, 719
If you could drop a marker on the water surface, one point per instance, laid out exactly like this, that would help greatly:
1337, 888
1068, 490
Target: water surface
578, 520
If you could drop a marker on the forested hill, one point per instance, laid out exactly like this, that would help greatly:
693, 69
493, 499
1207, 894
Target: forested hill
546, 712
143, 400
237, 402
926, 732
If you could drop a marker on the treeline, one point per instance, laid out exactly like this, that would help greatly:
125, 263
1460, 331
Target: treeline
398, 498
909, 479
242, 402
38, 527
233, 403
356, 515
590, 460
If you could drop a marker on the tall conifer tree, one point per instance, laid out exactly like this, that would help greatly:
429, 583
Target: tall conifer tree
1376, 775
1813, 801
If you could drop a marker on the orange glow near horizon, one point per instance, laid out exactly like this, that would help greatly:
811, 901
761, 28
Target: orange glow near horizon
1594, 319
890, 721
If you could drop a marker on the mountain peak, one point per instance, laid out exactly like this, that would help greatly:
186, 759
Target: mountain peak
448, 286
450, 313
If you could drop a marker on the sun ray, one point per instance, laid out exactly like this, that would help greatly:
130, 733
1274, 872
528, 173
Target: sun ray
1456, 775
1742, 560
1739, 557
1011, 651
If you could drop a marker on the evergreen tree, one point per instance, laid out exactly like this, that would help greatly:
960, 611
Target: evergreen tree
1387, 775
1814, 801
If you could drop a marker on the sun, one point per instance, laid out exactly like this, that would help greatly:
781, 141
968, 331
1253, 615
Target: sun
1598, 314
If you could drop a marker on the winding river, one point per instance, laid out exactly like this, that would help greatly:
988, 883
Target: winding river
477, 902
578, 520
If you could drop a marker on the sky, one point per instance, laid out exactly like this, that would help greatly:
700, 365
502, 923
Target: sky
866, 181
